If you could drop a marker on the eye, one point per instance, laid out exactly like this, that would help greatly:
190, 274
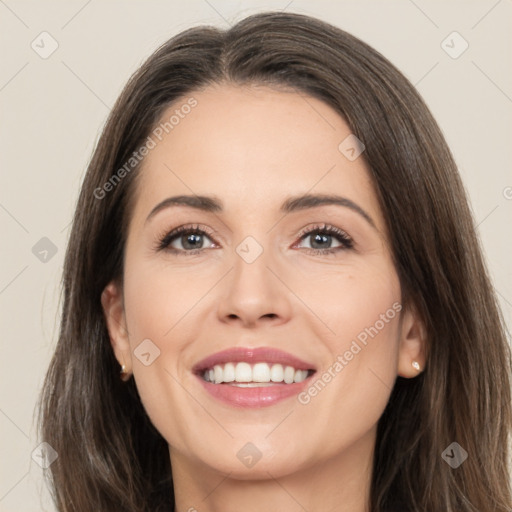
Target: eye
185, 240
322, 237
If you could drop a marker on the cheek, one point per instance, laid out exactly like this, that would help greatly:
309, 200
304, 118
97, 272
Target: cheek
368, 309
362, 311
159, 307
159, 301
355, 303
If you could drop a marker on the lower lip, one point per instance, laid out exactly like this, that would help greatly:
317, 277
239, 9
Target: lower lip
253, 397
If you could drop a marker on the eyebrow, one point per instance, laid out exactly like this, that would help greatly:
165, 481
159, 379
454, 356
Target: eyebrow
292, 204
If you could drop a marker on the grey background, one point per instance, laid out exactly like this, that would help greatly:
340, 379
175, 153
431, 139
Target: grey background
52, 110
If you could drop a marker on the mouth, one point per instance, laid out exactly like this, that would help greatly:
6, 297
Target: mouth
253, 377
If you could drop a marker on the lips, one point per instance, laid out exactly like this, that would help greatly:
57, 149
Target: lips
255, 389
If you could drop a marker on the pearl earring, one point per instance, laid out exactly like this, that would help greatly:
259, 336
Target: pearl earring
416, 365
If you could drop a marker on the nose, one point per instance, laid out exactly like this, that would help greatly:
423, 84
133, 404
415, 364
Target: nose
253, 294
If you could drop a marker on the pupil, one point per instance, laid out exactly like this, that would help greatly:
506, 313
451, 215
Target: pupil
192, 241
320, 238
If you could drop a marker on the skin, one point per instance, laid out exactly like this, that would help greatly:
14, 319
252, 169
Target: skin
253, 147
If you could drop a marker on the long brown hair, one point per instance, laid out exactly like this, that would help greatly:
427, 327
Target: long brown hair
110, 455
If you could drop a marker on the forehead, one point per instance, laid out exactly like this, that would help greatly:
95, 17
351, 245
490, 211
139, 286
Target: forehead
251, 146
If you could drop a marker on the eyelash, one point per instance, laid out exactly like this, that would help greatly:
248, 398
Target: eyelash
165, 240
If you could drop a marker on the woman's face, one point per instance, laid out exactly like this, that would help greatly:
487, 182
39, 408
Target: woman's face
260, 268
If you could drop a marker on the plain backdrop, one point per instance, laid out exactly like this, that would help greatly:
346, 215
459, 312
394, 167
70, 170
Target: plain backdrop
53, 107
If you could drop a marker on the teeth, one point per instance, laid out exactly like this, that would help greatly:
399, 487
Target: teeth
277, 373
289, 374
228, 375
261, 372
258, 373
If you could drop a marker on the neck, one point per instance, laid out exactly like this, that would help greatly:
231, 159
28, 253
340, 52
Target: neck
340, 483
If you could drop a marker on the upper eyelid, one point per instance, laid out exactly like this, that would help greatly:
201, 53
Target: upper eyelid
322, 226
211, 232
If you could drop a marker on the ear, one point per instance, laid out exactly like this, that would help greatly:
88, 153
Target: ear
113, 308
413, 339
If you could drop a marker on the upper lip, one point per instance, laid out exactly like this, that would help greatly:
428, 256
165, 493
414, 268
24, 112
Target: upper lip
252, 355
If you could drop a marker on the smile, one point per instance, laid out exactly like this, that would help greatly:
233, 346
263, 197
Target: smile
253, 377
